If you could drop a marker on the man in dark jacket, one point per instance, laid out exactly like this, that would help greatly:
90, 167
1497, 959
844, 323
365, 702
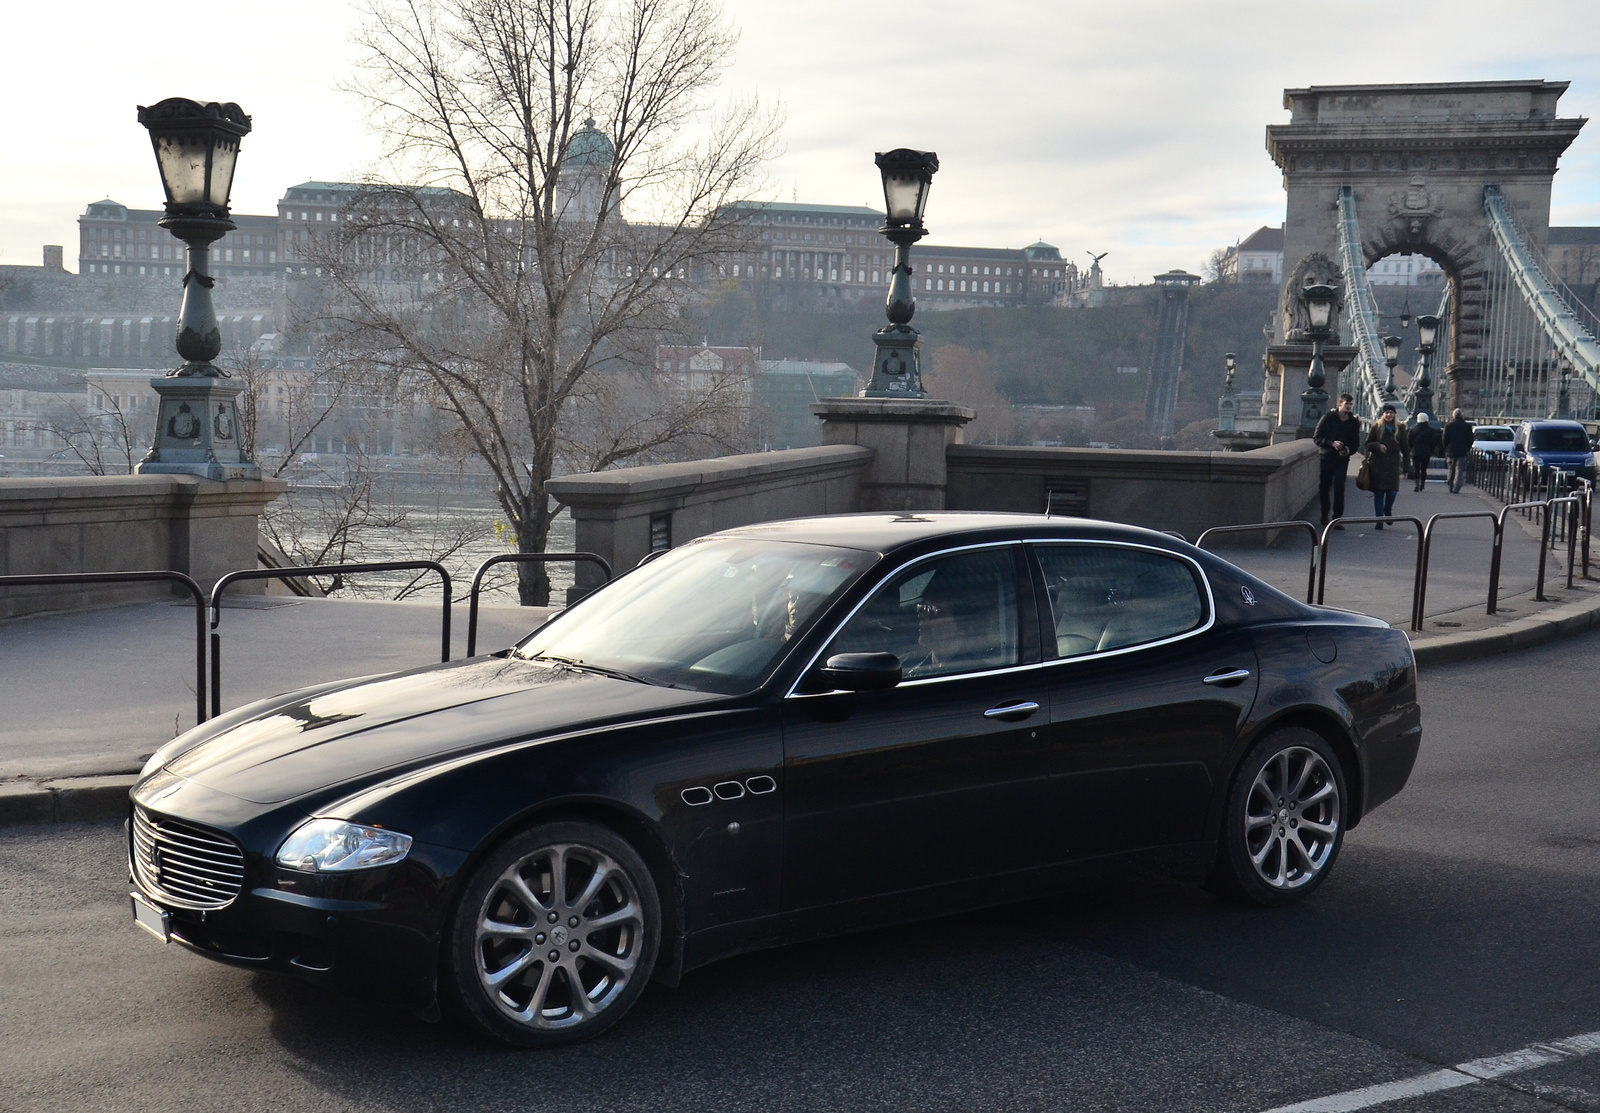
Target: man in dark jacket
1457, 447
1424, 442
1337, 434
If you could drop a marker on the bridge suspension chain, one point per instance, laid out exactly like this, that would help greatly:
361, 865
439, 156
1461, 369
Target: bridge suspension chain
1367, 372
1522, 288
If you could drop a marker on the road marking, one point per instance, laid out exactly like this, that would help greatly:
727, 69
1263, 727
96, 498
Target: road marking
1462, 1074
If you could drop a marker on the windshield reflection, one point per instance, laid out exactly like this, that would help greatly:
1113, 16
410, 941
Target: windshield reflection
711, 616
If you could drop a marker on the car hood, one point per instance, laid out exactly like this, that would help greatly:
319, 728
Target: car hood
385, 725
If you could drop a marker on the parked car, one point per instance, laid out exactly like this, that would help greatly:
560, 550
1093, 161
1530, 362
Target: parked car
1493, 438
1557, 444
787, 730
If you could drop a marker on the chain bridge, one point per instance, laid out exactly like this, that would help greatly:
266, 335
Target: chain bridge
1460, 173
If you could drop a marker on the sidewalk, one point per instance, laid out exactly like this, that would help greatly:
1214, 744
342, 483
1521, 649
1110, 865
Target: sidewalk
96, 692
99, 691
1372, 571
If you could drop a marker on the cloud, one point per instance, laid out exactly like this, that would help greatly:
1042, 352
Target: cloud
1135, 127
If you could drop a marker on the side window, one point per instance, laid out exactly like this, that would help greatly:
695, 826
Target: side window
951, 615
1103, 597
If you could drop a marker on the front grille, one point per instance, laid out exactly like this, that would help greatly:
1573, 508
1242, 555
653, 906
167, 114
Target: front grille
184, 865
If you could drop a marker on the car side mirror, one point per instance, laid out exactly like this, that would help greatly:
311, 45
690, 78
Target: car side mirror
859, 672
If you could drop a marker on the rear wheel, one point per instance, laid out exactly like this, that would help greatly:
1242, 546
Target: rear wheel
1285, 820
554, 937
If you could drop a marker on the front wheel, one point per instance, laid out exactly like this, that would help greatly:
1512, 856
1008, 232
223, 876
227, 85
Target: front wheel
1284, 821
554, 937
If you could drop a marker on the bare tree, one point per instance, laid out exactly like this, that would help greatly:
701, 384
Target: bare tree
103, 442
1221, 265
542, 254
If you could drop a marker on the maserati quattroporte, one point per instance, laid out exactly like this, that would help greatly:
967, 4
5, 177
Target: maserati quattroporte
768, 734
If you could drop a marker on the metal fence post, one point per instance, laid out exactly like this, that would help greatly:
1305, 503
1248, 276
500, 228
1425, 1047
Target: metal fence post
518, 558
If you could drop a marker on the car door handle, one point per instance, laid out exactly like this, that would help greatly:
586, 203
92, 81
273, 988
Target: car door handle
1008, 711
1227, 679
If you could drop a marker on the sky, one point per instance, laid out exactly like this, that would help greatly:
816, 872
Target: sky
1132, 127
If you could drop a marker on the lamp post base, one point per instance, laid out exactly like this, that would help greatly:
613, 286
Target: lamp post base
197, 430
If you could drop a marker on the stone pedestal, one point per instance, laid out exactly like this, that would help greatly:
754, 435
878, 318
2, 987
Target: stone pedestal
1286, 368
908, 438
197, 430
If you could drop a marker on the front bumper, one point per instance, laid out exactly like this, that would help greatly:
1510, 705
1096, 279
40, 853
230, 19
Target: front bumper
373, 934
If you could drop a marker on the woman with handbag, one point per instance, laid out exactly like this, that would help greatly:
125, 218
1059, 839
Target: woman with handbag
1387, 449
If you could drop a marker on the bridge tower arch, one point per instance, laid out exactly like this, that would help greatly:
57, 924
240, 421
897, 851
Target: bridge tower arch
1417, 160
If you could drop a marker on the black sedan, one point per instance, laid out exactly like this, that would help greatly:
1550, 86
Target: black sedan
773, 733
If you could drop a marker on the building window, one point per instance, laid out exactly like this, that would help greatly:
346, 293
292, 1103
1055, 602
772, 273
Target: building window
875, 276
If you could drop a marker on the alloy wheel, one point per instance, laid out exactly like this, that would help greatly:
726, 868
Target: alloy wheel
559, 937
1291, 818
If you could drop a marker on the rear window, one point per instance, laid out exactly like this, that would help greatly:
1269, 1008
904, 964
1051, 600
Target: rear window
1105, 597
1493, 434
1558, 439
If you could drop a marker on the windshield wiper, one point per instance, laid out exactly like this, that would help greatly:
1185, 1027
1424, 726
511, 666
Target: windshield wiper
602, 670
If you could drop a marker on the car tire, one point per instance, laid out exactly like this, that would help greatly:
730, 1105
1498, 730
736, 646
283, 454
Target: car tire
1284, 820
554, 936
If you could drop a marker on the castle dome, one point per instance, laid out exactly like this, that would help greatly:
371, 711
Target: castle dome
589, 147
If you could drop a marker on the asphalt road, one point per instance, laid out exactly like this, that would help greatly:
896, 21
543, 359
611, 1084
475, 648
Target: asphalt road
1461, 922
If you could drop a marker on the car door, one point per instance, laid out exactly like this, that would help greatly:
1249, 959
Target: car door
1147, 696
941, 778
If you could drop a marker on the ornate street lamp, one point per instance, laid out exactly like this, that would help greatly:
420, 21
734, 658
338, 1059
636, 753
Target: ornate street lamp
1228, 404
1564, 395
1391, 356
896, 366
197, 425
1318, 298
1422, 393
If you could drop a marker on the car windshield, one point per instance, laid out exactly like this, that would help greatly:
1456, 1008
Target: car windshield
1490, 433
1557, 438
712, 616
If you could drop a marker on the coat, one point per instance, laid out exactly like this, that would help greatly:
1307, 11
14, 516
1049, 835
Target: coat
1385, 467
1424, 441
1458, 437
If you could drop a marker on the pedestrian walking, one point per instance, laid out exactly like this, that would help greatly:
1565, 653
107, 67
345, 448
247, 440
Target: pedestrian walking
1337, 435
1424, 440
1386, 447
1457, 450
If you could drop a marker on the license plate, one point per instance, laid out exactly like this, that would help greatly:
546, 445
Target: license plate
154, 920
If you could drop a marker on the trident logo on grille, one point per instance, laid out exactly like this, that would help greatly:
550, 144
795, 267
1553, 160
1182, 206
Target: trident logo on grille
155, 860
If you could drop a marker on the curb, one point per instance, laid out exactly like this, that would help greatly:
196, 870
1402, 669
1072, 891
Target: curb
1524, 633
65, 800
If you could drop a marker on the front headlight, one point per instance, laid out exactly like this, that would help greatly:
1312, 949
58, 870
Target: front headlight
331, 845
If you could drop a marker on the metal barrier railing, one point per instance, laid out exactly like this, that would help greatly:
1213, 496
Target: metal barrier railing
153, 576
518, 558
232, 578
1316, 546
1427, 550
1416, 576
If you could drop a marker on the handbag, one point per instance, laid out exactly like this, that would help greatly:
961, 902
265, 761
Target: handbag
1364, 474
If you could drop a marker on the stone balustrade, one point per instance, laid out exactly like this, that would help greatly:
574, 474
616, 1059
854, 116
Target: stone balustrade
125, 523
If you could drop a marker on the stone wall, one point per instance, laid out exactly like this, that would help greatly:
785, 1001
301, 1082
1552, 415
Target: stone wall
616, 512
1186, 492
125, 523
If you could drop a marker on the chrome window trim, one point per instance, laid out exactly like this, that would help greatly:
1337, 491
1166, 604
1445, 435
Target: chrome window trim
1205, 581
865, 599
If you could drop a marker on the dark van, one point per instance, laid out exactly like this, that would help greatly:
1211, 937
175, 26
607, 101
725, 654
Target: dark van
1557, 444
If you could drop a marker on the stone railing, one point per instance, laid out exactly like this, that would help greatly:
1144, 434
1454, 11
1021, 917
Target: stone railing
624, 515
1182, 491
124, 523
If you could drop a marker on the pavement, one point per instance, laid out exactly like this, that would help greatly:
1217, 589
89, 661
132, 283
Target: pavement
90, 695
1453, 944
